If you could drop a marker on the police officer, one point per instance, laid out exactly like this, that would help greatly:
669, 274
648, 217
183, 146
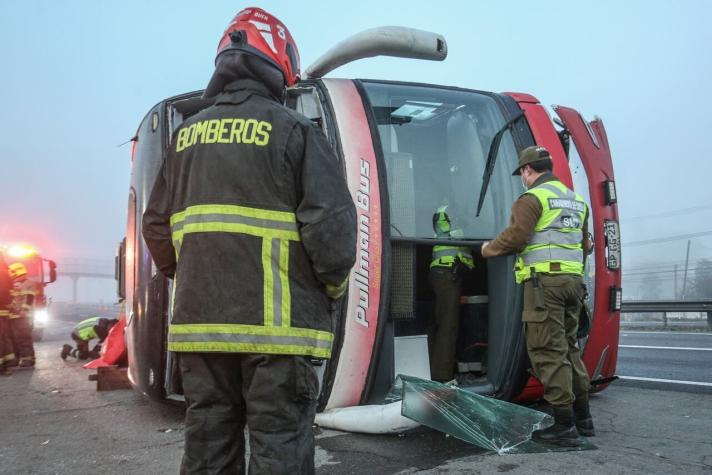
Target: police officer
252, 217
6, 351
83, 332
446, 270
549, 232
24, 294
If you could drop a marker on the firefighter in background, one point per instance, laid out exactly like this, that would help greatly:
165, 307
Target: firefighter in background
89, 329
549, 232
251, 216
6, 351
447, 267
24, 295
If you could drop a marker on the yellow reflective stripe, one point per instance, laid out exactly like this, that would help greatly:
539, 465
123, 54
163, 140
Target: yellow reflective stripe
264, 223
276, 298
242, 329
249, 339
268, 286
235, 228
284, 277
259, 348
282, 216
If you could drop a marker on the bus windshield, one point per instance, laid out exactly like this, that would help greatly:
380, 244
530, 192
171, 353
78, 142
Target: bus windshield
435, 143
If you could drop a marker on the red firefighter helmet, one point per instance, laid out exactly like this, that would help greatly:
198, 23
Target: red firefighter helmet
255, 31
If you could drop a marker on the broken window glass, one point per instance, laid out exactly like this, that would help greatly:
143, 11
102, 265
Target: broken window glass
489, 423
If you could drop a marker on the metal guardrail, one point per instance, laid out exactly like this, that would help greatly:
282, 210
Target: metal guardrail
650, 306
665, 306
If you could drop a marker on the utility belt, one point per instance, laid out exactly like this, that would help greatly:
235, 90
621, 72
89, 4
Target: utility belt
538, 287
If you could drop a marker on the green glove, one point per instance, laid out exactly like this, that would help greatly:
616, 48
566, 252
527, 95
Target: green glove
337, 291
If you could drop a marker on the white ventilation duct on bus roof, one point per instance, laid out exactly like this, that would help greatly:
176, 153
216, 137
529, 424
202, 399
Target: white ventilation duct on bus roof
397, 41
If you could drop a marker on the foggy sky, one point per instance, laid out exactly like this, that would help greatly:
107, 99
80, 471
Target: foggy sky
77, 78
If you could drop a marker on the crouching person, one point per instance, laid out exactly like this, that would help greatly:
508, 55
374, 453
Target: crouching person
94, 328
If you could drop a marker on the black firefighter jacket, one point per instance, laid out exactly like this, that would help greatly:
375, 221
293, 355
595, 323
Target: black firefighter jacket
252, 216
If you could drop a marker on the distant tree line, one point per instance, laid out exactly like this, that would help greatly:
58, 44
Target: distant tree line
656, 286
700, 285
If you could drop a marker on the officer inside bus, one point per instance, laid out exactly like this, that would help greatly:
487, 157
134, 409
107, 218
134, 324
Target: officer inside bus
548, 231
448, 265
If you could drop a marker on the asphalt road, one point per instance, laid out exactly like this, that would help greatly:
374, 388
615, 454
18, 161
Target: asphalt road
55, 422
680, 361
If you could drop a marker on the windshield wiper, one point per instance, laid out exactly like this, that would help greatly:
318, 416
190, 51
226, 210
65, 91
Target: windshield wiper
492, 157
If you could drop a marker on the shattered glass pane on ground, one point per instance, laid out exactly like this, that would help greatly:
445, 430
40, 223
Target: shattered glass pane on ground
489, 423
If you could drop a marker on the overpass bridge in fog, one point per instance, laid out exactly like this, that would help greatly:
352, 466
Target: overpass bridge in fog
76, 268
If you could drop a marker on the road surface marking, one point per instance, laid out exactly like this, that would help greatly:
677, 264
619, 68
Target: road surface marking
665, 347
624, 333
673, 381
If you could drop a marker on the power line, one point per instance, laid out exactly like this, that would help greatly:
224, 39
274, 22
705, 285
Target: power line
669, 213
666, 239
668, 271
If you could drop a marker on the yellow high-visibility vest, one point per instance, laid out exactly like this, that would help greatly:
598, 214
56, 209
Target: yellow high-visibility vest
556, 246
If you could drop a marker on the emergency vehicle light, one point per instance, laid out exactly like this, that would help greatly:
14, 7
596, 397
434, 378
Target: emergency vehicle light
609, 190
616, 299
41, 316
20, 252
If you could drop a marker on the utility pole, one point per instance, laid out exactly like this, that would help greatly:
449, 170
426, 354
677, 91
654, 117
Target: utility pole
687, 263
677, 296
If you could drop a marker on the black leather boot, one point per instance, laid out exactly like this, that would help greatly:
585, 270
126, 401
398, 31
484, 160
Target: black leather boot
583, 420
563, 432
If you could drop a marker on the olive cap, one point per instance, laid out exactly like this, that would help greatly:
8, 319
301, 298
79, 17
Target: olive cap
532, 154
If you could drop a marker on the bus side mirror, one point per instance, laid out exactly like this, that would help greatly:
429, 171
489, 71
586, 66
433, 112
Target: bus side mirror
52, 271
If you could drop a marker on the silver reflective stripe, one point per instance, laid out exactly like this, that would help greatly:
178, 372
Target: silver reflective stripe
445, 253
550, 236
239, 338
276, 283
568, 194
548, 254
234, 219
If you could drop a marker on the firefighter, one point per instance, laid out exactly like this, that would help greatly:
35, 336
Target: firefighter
6, 351
447, 267
24, 295
85, 331
549, 232
252, 218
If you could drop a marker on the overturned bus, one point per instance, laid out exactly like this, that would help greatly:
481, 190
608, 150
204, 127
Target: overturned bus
406, 149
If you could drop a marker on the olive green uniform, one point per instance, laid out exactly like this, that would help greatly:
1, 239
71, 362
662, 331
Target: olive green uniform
446, 270
550, 320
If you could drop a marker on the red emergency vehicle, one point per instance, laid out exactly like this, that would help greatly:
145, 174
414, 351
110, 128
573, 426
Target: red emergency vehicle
40, 270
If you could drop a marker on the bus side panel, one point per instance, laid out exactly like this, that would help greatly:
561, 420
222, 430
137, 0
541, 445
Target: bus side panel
601, 352
364, 296
544, 134
146, 289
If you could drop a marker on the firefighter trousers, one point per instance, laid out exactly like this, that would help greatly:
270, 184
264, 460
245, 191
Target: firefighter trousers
550, 323
446, 286
21, 330
6, 351
273, 395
